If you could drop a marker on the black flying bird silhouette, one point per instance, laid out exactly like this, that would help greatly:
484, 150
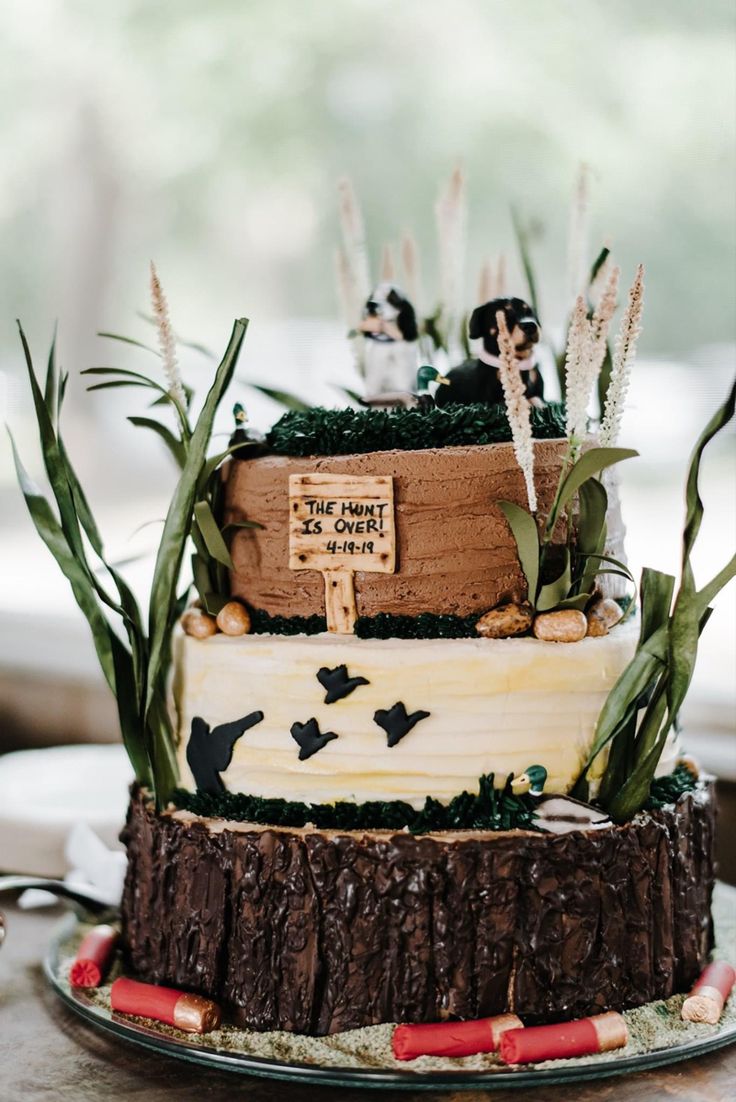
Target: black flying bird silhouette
396, 723
337, 683
309, 738
210, 752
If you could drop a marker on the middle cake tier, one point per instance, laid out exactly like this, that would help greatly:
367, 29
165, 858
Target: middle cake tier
412, 718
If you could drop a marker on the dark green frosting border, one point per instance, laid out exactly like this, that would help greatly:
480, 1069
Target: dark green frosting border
490, 809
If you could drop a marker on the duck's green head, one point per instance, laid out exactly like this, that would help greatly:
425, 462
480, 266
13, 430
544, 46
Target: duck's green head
427, 375
532, 780
239, 414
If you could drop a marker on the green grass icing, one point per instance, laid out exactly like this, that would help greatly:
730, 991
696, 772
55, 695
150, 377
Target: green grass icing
358, 431
488, 809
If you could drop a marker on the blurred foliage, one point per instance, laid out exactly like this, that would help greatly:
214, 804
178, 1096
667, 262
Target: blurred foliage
210, 136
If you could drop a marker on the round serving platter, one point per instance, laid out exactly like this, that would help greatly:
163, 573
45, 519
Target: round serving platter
325, 1068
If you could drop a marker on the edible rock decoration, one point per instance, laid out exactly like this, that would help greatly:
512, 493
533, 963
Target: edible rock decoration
478, 380
233, 619
210, 752
309, 738
396, 723
504, 621
602, 616
198, 623
565, 625
337, 682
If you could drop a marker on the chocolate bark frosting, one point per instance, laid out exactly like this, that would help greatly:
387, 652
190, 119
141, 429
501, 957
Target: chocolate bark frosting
317, 932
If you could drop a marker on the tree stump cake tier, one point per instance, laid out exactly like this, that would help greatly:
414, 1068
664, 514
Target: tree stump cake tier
321, 931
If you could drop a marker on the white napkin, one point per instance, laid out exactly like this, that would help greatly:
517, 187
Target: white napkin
91, 865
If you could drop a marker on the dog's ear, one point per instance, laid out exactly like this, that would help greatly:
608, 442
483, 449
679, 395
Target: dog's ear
480, 321
407, 320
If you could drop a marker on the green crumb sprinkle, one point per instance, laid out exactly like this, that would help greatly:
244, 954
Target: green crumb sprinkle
262, 623
667, 790
488, 809
359, 431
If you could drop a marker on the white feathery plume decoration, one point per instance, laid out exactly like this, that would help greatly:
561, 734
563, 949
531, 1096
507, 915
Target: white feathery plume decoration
451, 215
388, 264
412, 270
577, 245
601, 320
353, 238
346, 289
517, 408
486, 285
501, 276
624, 355
579, 373
166, 340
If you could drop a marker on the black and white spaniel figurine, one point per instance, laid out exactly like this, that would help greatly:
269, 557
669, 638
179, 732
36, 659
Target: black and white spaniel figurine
389, 326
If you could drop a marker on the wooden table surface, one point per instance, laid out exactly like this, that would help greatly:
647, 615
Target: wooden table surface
48, 1054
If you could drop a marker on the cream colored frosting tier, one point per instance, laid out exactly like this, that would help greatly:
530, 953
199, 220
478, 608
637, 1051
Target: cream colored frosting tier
495, 706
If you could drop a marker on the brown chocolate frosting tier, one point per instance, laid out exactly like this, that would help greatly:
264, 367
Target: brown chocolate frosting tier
318, 932
455, 553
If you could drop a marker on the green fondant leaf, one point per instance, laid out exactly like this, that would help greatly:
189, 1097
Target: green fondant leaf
283, 397
172, 442
552, 593
524, 530
211, 534
588, 465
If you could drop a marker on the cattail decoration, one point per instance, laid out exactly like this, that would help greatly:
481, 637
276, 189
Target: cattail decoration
624, 355
517, 409
486, 283
579, 373
412, 270
577, 246
353, 238
451, 215
501, 276
166, 340
601, 320
388, 264
346, 289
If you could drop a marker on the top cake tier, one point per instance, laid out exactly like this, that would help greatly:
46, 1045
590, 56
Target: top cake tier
454, 551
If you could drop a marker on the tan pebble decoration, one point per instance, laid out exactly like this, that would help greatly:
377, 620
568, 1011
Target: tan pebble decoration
504, 621
233, 619
198, 624
602, 616
567, 625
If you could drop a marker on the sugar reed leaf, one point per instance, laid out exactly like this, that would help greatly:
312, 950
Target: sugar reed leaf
179, 520
524, 530
283, 397
211, 534
172, 442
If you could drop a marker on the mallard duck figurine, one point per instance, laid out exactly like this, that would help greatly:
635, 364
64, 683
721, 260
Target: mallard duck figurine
556, 813
404, 399
532, 780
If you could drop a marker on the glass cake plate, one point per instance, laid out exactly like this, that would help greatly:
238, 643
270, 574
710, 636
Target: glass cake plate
362, 1058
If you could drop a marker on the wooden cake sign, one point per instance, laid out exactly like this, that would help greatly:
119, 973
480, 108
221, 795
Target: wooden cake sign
339, 524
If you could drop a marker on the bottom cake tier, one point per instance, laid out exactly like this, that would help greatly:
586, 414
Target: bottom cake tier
322, 931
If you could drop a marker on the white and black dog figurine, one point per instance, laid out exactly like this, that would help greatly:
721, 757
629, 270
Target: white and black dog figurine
389, 326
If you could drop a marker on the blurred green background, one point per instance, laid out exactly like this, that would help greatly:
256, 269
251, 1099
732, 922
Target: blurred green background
209, 136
